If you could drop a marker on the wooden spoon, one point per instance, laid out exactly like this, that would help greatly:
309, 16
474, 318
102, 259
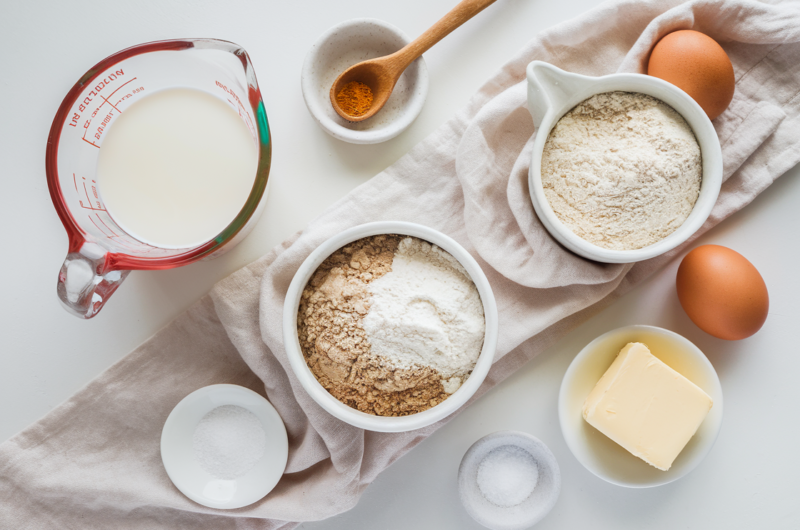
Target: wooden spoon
381, 74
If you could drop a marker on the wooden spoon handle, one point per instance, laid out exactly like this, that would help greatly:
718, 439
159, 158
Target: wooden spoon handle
464, 11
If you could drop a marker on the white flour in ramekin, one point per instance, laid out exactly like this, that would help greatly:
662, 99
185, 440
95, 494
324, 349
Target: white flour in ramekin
622, 170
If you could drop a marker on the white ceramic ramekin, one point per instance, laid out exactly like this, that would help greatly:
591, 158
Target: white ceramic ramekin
553, 92
343, 46
530, 511
356, 417
598, 453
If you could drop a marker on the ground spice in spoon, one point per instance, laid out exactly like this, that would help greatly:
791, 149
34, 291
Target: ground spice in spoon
355, 98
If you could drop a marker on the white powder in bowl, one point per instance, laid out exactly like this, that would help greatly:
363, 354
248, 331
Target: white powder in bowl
426, 311
228, 442
622, 170
507, 475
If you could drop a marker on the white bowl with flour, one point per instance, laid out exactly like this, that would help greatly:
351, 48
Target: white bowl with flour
389, 423
552, 93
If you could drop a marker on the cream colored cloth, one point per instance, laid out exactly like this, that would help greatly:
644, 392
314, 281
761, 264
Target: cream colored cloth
94, 461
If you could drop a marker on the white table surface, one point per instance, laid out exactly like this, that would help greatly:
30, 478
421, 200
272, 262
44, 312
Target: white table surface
751, 479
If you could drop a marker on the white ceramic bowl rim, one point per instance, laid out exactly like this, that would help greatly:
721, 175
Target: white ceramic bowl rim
564, 411
410, 113
187, 475
531, 510
356, 417
574, 88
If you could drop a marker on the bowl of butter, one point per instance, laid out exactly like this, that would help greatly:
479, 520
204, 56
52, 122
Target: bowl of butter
640, 406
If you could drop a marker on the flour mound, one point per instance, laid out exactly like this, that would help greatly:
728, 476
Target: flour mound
426, 311
622, 170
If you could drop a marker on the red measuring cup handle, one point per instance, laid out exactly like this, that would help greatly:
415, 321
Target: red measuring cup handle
82, 288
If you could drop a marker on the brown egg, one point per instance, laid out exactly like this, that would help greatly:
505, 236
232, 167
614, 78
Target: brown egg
696, 64
722, 292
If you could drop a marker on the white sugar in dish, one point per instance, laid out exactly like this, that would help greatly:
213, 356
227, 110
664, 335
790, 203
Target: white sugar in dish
508, 480
229, 441
507, 476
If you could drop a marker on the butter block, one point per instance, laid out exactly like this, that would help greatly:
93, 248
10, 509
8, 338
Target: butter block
646, 407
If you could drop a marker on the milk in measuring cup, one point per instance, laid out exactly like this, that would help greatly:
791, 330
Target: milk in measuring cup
176, 167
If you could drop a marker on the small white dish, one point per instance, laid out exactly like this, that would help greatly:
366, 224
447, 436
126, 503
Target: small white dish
552, 92
191, 479
343, 46
528, 512
356, 417
598, 453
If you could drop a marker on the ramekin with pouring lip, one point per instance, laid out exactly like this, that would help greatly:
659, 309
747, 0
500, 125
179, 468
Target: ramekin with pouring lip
552, 92
361, 419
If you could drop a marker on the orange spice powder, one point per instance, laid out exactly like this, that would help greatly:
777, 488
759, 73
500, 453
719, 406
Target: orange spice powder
355, 98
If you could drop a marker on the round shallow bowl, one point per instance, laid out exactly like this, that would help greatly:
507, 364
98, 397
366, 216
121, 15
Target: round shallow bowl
351, 415
595, 450
553, 92
341, 47
191, 479
531, 510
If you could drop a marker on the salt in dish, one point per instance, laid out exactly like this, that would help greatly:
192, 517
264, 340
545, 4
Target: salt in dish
508, 480
198, 438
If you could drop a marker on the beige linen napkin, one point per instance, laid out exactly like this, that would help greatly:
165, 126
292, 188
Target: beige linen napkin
94, 461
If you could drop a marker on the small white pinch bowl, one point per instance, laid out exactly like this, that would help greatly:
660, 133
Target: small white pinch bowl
191, 479
598, 453
356, 417
552, 92
343, 46
531, 510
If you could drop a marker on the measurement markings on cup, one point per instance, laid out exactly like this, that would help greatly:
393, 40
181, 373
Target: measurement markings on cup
88, 205
92, 97
94, 114
238, 107
120, 239
98, 207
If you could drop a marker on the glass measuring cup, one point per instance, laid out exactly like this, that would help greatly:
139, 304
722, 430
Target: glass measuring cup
101, 254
